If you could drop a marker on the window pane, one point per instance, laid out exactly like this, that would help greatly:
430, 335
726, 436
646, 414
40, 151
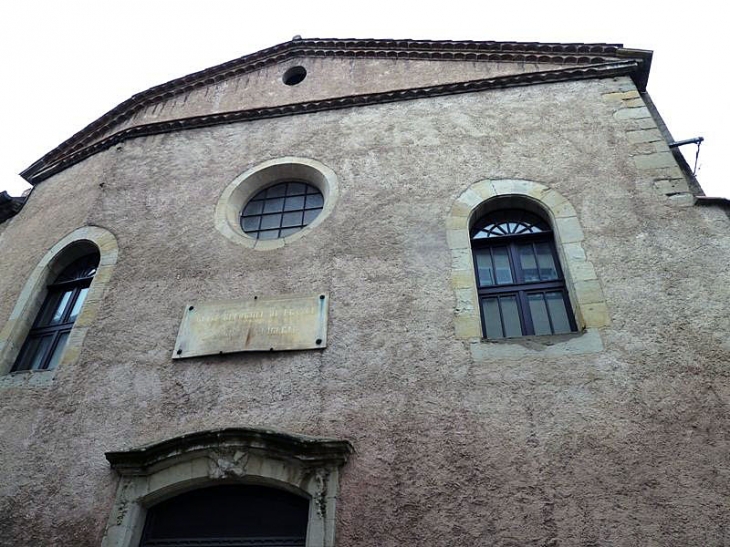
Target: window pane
491, 318
558, 313
546, 262
314, 200
510, 316
294, 203
253, 208
485, 273
268, 234
289, 231
54, 308
274, 205
276, 191
292, 219
34, 353
528, 263
501, 262
309, 216
295, 189
58, 351
77, 305
250, 224
539, 314
270, 221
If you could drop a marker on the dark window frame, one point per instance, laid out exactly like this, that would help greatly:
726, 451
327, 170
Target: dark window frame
519, 288
74, 279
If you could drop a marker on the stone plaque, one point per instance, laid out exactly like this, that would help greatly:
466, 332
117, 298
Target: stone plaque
261, 324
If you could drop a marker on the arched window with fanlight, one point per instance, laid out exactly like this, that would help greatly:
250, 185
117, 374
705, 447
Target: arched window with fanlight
519, 279
47, 338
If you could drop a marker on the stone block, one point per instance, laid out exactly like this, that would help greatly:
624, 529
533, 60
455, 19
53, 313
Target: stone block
467, 327
588, 292
595, 315
484, 189
581, 271
682, 200
632, 113
569, 230
563, 210
657, 160
621, 95
458, 239
574, 252
645, 123
463, 279
507, 187
634, 103
470, 198
457, 223
671, 186
461, 259
465, 301
636, 136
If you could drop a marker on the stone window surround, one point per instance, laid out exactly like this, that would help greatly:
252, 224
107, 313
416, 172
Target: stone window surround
586, 294
21, 319
307, 466
246, 185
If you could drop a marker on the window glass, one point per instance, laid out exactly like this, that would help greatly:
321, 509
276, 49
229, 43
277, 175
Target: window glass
510, 316
79, 302
58, 351
558, 312
492, 318
485, 271
528, 263
501, 263
545, 261
538, 310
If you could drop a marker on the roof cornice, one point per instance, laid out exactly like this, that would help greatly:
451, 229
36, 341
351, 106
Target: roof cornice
61, 159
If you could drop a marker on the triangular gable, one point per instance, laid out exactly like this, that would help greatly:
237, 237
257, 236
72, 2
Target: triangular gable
377, 71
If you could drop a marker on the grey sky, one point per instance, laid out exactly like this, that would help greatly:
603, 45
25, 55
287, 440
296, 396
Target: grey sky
67, 63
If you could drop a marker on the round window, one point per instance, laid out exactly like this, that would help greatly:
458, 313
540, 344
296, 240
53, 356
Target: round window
281, 210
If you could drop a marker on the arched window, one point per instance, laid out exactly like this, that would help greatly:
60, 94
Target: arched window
47, 338
233, 515
519, 279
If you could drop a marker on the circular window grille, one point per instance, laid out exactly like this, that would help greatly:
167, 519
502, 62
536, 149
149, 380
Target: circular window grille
281, 210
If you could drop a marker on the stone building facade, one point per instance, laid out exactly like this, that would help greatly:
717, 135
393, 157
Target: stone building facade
414, 423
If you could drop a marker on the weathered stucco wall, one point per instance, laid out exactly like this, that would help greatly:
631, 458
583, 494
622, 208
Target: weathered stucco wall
627, 446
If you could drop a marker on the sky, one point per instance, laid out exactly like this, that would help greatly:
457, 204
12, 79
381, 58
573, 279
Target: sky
64, 64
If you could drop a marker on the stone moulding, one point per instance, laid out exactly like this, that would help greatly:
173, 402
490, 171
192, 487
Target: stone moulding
306, 466
310, 451
586, 293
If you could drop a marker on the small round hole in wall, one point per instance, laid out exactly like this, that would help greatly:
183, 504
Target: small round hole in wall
294, 75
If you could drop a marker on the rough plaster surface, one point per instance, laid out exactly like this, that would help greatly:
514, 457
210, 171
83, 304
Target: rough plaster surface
623, 447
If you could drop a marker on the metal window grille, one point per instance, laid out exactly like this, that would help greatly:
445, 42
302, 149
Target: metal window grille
281, 210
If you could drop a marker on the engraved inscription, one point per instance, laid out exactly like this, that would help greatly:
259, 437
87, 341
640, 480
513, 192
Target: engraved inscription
262, 324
